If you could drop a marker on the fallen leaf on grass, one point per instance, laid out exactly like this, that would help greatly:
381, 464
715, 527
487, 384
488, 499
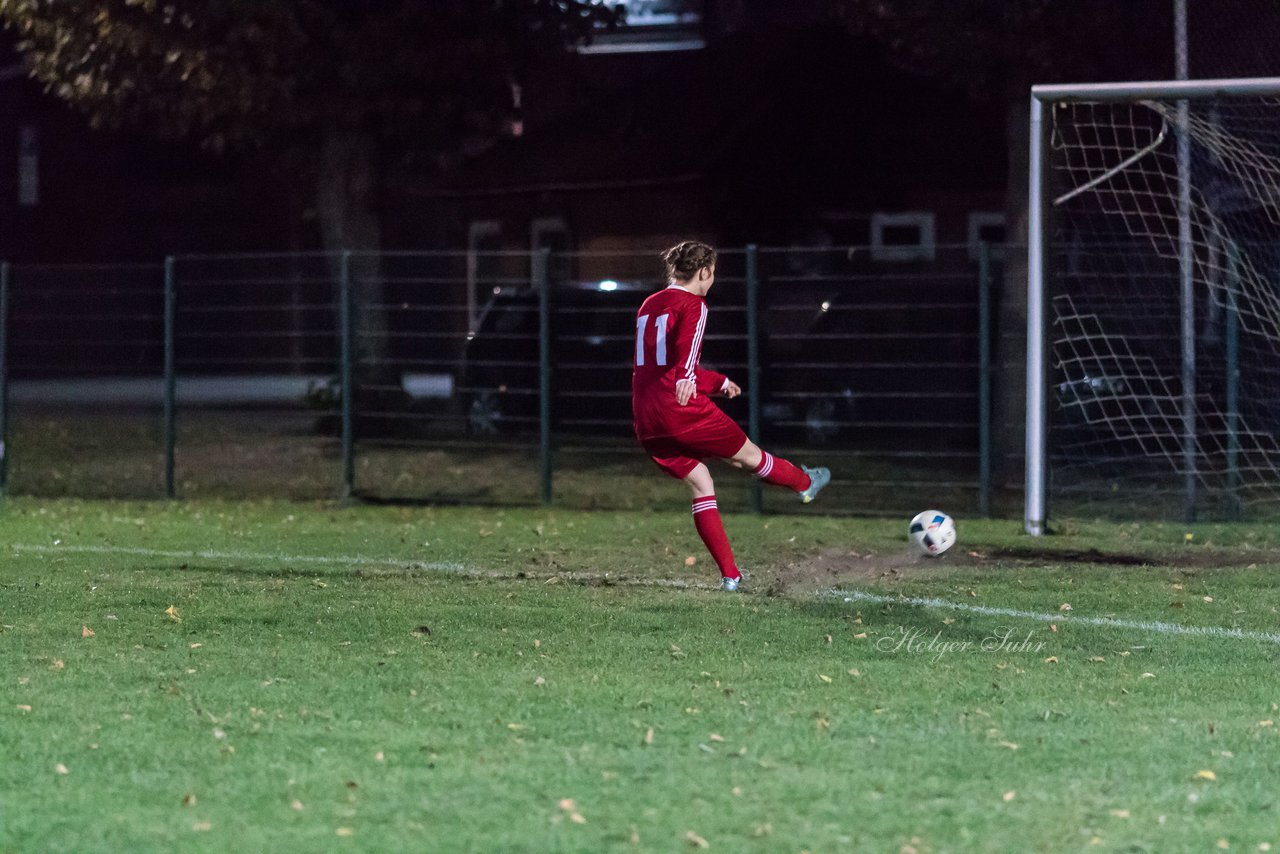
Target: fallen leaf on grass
715, 736
696, 841
1207, 598
576, 818
1008, 796
86, 632
567, 804
1065, 606
1205, 775
860, 636
172, 613
824, 677
1009, 744
1266, 723
690, 560
1097, 659
61, 769
1053, 659
22, 707
648, 736
345, 831
296, 805
58, 664
539, 681
201, 826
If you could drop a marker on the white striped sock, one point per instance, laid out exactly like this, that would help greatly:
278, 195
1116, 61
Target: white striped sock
766, 465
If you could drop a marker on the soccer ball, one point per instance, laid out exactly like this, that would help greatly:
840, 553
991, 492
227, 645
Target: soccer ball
932, 532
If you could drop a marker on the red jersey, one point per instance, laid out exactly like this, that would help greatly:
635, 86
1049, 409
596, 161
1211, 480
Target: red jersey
669, 329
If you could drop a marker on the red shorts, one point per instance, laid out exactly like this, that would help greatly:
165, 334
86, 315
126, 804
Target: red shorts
716, 436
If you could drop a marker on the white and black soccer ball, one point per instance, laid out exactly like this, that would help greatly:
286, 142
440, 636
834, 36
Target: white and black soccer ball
932, 532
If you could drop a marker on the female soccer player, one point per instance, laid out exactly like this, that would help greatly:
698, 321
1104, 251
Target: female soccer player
676, 421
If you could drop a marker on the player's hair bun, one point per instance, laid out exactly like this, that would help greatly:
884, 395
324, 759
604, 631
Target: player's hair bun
685, 259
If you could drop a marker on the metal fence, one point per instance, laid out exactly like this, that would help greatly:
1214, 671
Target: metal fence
492, 378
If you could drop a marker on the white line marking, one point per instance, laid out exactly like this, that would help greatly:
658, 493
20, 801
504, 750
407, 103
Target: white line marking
1109, 622
355, 560
444, 566
587, 577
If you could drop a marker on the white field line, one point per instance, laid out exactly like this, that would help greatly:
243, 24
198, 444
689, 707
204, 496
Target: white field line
451, 567
1155, 626
455, 568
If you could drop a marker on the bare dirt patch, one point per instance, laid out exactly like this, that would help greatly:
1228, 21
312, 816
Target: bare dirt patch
836, 567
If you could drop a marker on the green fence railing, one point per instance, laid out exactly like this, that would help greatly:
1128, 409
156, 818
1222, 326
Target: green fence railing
496, 378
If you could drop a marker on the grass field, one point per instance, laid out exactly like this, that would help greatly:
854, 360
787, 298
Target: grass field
290, 676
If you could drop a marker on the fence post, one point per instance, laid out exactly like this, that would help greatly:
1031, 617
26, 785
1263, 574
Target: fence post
753, 364
170, 377
4, 379
346, 320
984, 380
1233, 384
541, 282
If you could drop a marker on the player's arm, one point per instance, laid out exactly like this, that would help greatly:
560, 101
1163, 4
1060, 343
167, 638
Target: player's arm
687, 342
695, 379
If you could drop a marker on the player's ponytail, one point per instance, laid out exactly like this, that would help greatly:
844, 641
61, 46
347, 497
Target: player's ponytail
684, 260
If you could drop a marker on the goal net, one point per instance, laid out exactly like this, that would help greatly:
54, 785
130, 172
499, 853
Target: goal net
1159, 237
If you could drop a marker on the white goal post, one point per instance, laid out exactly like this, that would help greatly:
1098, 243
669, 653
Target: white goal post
1120, 155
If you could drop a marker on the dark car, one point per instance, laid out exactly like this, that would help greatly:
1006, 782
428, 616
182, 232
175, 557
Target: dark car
592, 344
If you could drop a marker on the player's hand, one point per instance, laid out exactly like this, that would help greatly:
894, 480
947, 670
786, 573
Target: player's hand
731, 389
685, 391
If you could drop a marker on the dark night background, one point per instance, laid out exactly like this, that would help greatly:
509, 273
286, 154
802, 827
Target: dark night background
791, 117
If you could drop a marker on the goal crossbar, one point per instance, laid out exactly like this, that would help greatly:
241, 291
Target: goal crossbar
1035, 506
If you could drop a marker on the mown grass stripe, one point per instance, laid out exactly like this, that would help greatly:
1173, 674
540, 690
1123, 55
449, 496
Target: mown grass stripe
1154, 626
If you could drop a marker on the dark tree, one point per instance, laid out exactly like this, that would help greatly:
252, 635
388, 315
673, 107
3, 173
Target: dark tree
336, 88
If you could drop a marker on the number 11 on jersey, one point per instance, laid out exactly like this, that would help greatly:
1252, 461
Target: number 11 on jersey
660, 339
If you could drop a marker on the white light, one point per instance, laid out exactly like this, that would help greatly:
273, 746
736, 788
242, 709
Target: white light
826, 305
608, 285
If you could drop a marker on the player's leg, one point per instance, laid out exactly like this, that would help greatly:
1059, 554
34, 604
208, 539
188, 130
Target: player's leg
674, 457
804, 481
706, 518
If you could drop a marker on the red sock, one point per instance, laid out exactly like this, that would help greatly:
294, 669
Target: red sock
779, 472
706, 518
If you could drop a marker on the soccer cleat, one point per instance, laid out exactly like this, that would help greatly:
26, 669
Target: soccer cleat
818, 478
730, 585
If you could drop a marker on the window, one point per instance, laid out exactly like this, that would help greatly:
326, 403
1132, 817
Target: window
985, 227
28, 166
651, 25
902, 236
484, 237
